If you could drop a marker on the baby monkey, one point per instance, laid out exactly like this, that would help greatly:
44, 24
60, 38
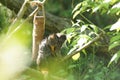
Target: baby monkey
50, 48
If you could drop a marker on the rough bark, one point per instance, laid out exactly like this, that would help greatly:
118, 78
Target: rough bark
53, 23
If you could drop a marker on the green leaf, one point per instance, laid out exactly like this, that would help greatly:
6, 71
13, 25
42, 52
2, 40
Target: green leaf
71, 50
115, 38
76, 7
115, 9
95, 9
83, 39
113, 1
115, 58
74, 42
116, 26
84, 52
69, 30
113, 45
76, 13
77, 23
69, 36
94, 28
107, 27
76, 56
85, 36
117, 5
83, 28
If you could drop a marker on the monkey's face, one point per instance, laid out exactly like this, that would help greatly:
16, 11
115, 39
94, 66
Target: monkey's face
55, 41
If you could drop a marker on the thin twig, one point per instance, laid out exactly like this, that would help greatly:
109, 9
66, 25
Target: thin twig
18, 27
28, 18
19, 15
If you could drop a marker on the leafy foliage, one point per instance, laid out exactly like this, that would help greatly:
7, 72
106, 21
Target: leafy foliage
114, 41
85, 30
101, 7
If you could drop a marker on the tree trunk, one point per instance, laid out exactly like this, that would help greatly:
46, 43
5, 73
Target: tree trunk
53, 23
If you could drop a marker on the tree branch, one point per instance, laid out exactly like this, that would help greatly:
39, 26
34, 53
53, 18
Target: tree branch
18, 27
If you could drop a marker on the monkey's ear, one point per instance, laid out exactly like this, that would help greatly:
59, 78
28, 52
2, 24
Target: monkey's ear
61, 36
52, 36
